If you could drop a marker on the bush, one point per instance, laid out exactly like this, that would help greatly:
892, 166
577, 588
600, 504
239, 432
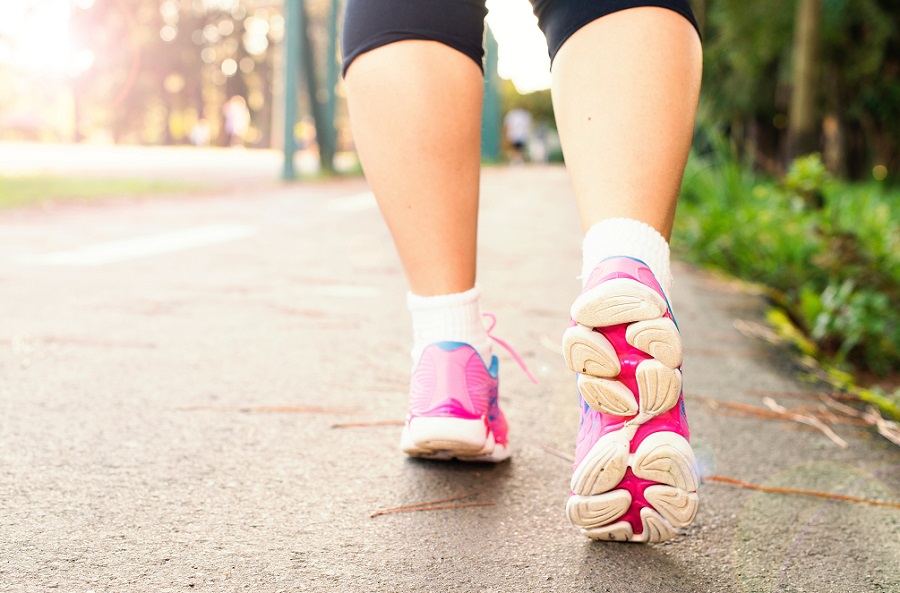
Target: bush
829, 250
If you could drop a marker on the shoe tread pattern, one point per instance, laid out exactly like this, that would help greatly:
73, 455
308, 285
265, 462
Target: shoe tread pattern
663, 463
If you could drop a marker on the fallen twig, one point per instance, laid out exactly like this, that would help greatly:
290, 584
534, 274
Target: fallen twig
808, 420
871, 417
778, 412
743, 353
826, 415
801, 394
362, 424
828, 495
291, 410
265, 409
842, 408
889, 429
430, 505
756, 330
558, 453
437, 508
830, 416
442, 501
739, 407
886, 428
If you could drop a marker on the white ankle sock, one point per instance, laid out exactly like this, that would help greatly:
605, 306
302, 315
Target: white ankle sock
631, 238
448, 317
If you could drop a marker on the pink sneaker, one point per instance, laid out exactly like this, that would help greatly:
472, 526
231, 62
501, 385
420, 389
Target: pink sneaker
453, 411
635, 476
453, 407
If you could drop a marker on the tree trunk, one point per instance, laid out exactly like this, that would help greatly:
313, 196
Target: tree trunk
802, 132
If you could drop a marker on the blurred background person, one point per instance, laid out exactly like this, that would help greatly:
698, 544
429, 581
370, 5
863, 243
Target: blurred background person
518, 132
237, 120
201, 133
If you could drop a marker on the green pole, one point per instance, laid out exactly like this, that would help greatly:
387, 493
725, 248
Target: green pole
316, 100
331, 81
491, 116
293, 22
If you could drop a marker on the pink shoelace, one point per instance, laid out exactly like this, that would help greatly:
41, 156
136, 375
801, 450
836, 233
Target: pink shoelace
507, 347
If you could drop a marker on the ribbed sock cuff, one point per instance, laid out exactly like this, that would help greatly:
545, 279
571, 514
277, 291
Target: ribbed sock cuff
448, 318
630, 238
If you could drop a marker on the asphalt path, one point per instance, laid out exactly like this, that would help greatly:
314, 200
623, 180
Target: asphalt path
201, 393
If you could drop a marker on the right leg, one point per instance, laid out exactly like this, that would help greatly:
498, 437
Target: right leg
414, 90
625, 84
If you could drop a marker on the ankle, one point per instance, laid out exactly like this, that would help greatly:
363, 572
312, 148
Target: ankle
448, 318
630, 238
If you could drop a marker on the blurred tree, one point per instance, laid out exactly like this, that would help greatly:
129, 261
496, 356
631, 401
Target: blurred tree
861, 83
744, 89
164, 65
802, 137
160, 66
855, 107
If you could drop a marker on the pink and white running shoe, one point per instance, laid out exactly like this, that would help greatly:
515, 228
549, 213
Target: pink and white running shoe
635, 476
453, 405
453, 410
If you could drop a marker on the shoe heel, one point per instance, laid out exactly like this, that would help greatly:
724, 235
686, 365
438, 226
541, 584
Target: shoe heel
616, 301
435, 435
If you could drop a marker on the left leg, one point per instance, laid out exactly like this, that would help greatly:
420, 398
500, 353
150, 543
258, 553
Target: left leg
414, 83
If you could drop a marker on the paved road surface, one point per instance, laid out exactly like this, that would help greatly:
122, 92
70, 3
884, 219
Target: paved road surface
216, 167
171, 372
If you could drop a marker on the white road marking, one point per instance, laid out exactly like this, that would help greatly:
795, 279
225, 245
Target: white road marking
128, 249
354, 203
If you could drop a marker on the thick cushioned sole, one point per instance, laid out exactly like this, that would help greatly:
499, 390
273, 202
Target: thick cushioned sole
600, 498
451, 438
602, 485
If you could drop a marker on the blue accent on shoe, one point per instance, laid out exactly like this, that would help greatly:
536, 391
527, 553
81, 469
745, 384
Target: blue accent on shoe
449, 346
494, 368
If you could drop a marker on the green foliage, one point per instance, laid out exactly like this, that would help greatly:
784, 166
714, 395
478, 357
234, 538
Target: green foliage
538, 103
833, 262
805, 180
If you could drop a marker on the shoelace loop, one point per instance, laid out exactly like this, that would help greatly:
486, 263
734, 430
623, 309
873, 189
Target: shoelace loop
507, 347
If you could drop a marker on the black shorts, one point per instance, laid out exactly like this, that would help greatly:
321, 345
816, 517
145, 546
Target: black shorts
369, 24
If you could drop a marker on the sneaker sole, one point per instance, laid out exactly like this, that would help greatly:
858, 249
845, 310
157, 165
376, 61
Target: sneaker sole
656, 481
445, 438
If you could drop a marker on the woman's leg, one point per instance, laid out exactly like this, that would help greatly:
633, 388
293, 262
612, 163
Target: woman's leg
625, 91
414, 88
415, 108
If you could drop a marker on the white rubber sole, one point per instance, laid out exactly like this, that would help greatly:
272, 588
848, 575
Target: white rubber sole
663, 457
658, 386
620, 300
451, 438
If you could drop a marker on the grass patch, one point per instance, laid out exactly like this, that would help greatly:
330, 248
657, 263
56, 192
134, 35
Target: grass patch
30, 189
828, 250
